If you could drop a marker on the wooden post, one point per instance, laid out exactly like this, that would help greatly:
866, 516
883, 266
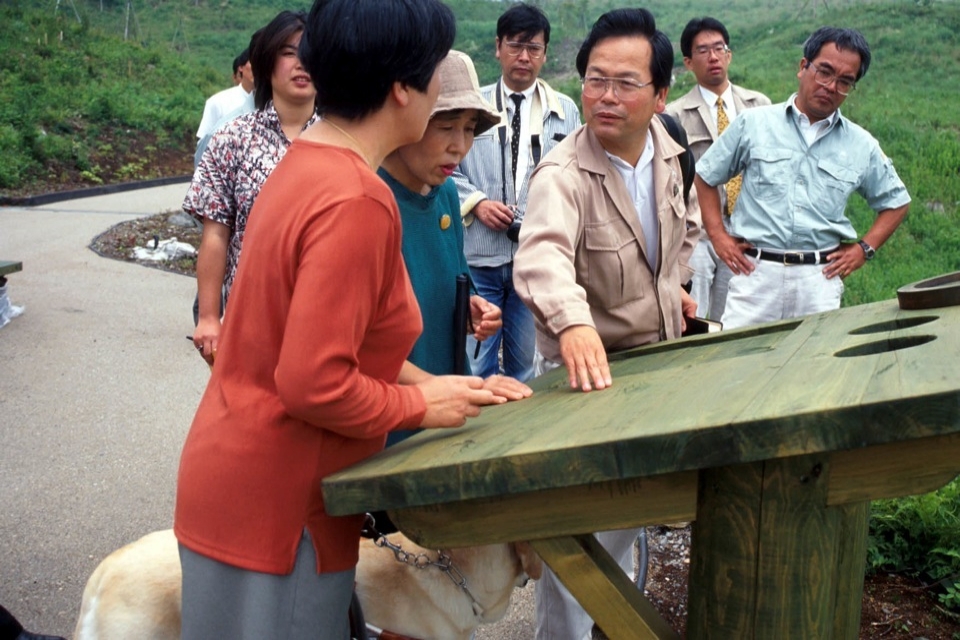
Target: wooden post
769, 557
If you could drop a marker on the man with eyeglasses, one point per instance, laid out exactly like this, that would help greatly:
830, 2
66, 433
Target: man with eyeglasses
493, 179
790, 243
605, 245
704, 113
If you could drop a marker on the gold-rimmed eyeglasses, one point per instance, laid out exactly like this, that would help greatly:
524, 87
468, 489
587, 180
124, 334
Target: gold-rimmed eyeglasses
826, 77
623, 88
534, 49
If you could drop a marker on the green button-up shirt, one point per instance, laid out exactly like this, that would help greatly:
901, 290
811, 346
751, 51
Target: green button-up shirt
794, 195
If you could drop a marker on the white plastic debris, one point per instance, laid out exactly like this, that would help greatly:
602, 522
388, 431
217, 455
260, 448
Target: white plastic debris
8, 311
165, 250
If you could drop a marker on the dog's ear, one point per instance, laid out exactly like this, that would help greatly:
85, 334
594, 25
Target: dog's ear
529, 559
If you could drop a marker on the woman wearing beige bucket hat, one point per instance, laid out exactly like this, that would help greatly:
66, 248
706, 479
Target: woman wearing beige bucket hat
418, 174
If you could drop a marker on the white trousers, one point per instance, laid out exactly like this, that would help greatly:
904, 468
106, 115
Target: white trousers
559, 615
710, 280
777, 292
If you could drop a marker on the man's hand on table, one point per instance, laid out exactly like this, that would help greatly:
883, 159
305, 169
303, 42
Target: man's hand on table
585, 358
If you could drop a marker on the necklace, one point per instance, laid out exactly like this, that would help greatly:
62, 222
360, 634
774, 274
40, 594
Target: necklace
356, 142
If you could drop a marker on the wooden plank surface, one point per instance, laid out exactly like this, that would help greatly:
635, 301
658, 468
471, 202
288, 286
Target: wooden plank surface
733, 397
9, 266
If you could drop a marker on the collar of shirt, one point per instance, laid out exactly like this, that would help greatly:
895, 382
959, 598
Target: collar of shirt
711, 99
527, 98
812, 131
270, 119
639, 183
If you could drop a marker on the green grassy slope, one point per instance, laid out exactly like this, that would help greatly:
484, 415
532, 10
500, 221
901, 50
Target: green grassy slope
79, 100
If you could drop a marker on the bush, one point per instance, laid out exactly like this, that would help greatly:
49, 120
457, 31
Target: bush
919, 535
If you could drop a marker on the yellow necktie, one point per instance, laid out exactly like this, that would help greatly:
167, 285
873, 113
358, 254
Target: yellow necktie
732, 187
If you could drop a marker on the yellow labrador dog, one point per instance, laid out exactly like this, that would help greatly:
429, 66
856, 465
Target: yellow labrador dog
135, 591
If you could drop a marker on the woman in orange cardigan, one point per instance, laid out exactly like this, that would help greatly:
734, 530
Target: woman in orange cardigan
309, 376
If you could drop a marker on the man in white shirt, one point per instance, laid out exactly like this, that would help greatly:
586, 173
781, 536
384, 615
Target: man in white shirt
705, 45
492, 181
225, 102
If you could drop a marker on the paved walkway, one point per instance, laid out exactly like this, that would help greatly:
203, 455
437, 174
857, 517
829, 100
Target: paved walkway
97, 390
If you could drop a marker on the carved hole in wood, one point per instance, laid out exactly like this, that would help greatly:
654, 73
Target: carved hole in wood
893, 325
883, 346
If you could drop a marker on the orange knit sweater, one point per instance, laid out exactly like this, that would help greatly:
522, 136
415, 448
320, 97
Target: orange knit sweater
321, 318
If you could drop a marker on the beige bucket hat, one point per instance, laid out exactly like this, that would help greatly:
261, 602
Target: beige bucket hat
460, 89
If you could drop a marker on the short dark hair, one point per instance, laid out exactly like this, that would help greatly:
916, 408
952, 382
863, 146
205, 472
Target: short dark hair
355, 50
241, 60
697, 26
631, 22
844, 39
266, 48
523, 20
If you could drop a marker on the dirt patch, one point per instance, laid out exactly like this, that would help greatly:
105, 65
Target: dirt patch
118, 241
895, 607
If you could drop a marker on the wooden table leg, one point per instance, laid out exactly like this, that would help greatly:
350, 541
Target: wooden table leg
600, 586
770, 559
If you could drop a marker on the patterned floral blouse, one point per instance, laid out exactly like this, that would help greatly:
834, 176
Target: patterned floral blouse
238, 160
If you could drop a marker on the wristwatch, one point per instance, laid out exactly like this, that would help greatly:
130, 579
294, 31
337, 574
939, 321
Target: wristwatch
868, 251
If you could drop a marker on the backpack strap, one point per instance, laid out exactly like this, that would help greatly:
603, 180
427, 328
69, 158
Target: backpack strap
687, 162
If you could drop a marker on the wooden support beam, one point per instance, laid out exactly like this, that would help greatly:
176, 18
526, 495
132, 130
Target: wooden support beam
603, 589
555, 512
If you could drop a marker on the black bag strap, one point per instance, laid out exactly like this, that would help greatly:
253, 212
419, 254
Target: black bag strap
687, 163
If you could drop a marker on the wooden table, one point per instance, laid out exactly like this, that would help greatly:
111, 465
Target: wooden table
9, 266
773, 439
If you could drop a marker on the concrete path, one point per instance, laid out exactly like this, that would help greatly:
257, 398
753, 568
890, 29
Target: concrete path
97, 390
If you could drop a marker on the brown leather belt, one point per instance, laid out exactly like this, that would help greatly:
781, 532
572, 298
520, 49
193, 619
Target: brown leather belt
790, 257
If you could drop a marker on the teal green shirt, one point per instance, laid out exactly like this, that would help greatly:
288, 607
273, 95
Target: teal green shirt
433, 252
794, 196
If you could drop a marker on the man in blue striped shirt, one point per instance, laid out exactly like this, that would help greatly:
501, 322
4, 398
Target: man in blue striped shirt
789, 243
492, 182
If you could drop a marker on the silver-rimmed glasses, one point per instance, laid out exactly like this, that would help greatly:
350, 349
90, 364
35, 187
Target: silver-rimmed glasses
826, 77
534, 49
623, 88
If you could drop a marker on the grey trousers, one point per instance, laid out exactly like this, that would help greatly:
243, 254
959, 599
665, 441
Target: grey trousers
223, 601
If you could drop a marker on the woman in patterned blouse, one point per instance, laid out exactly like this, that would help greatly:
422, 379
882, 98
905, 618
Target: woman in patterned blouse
238, 160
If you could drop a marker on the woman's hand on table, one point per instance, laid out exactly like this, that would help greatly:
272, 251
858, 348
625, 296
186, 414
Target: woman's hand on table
507, 387
453, 399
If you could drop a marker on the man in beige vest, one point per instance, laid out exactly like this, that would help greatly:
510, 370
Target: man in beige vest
606, 240
704, 113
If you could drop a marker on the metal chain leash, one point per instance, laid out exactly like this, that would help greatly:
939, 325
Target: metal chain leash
422, 560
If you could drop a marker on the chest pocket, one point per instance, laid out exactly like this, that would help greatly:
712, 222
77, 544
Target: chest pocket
773, 173
838, 177
613, 262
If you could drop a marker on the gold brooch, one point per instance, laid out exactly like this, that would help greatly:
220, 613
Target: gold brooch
445, 221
